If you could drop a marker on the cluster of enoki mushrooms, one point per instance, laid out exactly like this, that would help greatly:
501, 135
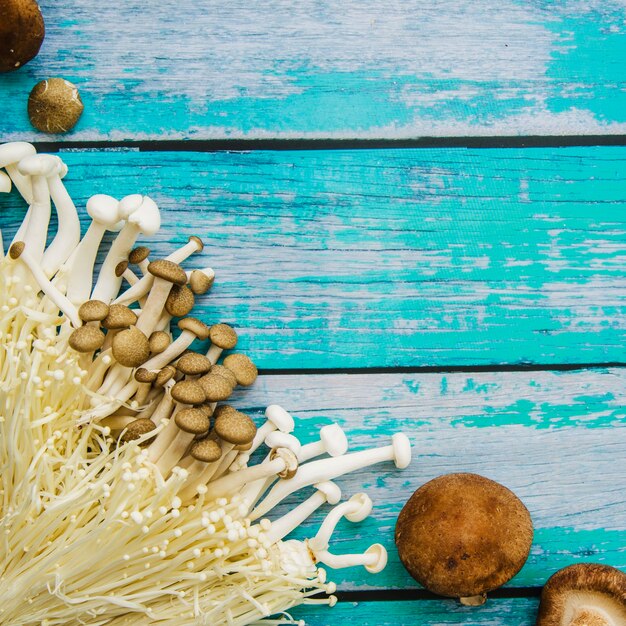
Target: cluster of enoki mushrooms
128, 495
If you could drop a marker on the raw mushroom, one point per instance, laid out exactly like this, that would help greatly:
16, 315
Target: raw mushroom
130, 347
223, 337
242, 367
21, 33
584, 594
54, 105
201, 281
462, 535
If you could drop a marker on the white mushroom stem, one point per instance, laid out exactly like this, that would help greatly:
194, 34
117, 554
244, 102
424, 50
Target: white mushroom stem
143, 218
332, 441
153, 308
130, 277
201, 473
141, 288
47, 287
356, 509
68, 232
326, 492
235, 480
178, 346
5, 182
10, 155
165, 438
104, 213
374, 559
328, 469
174, 452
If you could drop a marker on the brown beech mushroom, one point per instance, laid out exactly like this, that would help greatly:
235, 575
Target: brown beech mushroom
138, 428
93, 311
54, 105
224, 372
158, 341
242, 367
462, 535
21, 33
193, 364
223, 337
86, 339
585, 594
200, 282
130, 347
180, 301
119, 316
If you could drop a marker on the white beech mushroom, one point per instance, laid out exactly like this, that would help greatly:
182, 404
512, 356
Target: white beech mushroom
463, 535
584, 594
10, 155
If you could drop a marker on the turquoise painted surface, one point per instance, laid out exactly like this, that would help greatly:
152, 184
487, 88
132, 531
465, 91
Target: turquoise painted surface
387, 258
512, 611
176, 69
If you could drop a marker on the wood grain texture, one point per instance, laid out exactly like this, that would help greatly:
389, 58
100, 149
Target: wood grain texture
218, 69
558, 440
511, 612
447, 257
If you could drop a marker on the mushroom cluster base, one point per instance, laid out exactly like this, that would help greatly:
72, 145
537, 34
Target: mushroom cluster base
114, 508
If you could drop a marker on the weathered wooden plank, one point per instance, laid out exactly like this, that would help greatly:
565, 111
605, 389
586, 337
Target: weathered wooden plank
364, 69
394, 258
500, 612
558, 440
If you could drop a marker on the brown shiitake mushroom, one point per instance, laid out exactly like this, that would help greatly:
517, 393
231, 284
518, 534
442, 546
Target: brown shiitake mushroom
21, 33
462, 535
54, 105
584, 594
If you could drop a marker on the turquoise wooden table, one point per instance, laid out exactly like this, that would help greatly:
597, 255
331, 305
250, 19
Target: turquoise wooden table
416, 213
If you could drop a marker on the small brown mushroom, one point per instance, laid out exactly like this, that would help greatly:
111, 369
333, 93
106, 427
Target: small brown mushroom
130, 347
54, 105
164, 375
223, 337
159, 340
22, 32
86, 339
193, 364
242, 367
462, 535
138, 255
224, 372
222, 409
180, 301
119, 316
234, 427
188, 392
120, 268
200, 282
584, 594
142, 375
93, 311
137, 429
206, 450
216, 388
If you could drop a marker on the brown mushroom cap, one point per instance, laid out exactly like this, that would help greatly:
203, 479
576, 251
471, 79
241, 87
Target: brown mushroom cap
192, 421
223, 336
572, 596
216, 388
224, 372
242, 367
158, 341
130, 347
164, 375
138, 254
235, 427
462, 535
188, 392
22, 32
16, 249
93, 311
120, 268
168, 270
86, 339
119, 316
222, 409
138, 428
193, 364
142, 375
199, 282
180, 301
194, 325
206, 450
198, 242
54, 105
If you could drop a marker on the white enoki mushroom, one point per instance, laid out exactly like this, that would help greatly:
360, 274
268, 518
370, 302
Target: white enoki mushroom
94, 532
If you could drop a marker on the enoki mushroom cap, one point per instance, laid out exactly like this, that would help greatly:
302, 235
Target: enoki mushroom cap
86, 339
137, 429
195, 326
93, 311
462, 535
242, 367
584, 594
188, 392
200, 282
216, 388
179, 301
192, 421
168, 270
193, 364
234, 427
206, 450
224, 372
158, 341
130, 347
119, 316
223, 336
138, 254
